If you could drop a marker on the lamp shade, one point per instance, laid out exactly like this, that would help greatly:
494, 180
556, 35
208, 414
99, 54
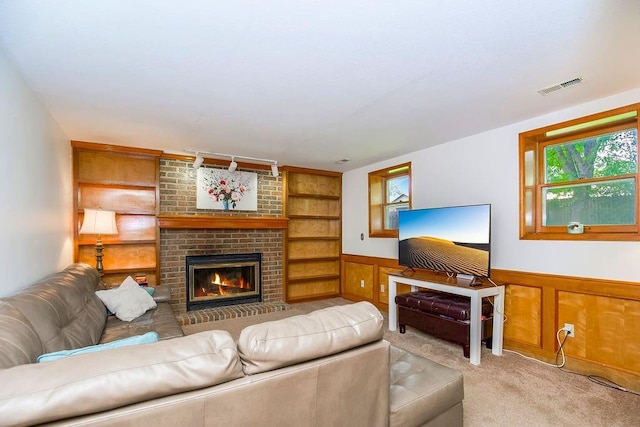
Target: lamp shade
99, 222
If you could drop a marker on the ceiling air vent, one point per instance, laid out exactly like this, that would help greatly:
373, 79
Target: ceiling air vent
559, 86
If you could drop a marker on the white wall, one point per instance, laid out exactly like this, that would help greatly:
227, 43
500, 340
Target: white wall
483, 168
35, 186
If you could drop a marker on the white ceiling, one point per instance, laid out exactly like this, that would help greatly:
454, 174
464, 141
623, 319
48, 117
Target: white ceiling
307, 83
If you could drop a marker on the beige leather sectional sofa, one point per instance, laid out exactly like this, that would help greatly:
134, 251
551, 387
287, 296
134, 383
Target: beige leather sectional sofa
328, 368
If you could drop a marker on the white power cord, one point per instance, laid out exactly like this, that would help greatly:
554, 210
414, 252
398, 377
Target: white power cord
560, 351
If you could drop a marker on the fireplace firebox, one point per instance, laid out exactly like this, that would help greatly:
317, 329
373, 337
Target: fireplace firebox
219, 280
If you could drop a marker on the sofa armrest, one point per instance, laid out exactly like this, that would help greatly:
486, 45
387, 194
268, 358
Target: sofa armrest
94, 382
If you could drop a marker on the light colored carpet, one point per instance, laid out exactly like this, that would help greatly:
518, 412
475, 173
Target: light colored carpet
506, 390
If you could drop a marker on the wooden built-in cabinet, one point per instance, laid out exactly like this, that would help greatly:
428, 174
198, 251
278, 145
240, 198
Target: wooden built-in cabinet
312, 204
367, 279
124, 180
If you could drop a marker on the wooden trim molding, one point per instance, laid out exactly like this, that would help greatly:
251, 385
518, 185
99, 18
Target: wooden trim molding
221, 222
116, 148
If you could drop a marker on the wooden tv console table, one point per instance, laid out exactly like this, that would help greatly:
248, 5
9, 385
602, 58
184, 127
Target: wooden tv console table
456, 286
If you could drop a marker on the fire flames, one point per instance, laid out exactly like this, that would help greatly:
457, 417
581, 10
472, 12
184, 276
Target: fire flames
222, 286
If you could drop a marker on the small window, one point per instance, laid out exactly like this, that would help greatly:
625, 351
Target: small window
389, 193
584, 171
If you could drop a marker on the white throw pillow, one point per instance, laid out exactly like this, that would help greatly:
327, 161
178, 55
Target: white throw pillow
127, 301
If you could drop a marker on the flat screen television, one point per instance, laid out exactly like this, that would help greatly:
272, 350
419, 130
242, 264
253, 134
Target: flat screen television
455, 240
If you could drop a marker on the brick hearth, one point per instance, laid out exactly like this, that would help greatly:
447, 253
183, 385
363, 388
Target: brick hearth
229, 312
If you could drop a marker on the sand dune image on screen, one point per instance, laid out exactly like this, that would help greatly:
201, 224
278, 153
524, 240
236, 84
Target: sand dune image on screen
444, 255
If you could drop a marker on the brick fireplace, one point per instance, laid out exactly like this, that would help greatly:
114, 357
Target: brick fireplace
177, 244
187, 231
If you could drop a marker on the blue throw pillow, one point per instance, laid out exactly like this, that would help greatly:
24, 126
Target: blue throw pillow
147, 338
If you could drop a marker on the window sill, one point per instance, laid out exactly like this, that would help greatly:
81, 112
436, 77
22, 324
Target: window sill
582, 237
384, 234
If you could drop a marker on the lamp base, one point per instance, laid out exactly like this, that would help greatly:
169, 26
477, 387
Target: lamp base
99, 256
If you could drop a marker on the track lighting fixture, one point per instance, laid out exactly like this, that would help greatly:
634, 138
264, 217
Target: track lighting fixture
233, 165
198, 161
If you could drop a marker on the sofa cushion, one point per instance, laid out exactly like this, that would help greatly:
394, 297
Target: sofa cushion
63, 308
19, 342
127, 301
160, 320
95, 382
272, 345
147, 338
422, 390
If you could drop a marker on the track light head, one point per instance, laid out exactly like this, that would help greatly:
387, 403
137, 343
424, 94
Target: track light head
274, 169
233, 165
198, 161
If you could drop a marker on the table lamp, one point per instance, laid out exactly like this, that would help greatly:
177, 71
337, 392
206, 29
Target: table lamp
97, 221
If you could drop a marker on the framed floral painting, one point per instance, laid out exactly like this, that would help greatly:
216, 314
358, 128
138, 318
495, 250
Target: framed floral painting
224, 190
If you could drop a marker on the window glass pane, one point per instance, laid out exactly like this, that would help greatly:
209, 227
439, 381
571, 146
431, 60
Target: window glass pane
528, 208
398, 189
391, 215
609, 155
529, 167
604, 203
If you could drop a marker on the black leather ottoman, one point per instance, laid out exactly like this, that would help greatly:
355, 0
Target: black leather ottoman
442, 315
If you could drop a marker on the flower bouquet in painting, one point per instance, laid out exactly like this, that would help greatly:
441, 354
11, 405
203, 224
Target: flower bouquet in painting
221, 189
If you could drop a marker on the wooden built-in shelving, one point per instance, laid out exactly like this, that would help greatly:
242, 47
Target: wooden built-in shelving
124, 180
312, 202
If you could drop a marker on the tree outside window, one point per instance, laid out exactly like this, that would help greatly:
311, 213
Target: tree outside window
582, 171
389, 193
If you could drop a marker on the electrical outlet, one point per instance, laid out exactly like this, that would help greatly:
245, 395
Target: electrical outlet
568, 327
362, 283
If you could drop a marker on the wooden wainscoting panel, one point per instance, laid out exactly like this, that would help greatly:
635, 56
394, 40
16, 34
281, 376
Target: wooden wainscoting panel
356, 275
523, 308
607, 330
383, 274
